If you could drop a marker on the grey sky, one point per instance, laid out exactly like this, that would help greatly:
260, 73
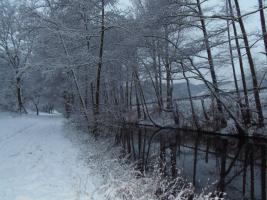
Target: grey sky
124, 3
252, 25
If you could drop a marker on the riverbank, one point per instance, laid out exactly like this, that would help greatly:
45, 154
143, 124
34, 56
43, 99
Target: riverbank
45, 158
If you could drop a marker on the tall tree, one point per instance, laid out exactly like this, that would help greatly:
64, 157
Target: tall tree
251, 65
263, 25
16, 42
247, 119
100, 62
210, 58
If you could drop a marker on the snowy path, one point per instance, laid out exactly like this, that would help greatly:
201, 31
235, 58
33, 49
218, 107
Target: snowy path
38, 161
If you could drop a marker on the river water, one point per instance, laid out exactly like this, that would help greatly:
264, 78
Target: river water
217, 163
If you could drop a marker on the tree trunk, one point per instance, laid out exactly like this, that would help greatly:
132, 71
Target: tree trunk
243, 76
169, 89
263, 25
252, 67
85, 20
137, 102
127, 95
204, 109
131, 93
243, 113
19, 96
168, 72
101, 48
86, 98
36, 108
160, 81
210, 58
190, 98
155, 68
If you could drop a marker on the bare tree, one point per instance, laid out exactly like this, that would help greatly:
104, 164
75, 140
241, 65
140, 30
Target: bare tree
100, 62
251, 65
240, 59
16, 43
263, 25
210, 58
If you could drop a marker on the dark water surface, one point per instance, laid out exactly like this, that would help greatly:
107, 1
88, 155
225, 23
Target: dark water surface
224, 163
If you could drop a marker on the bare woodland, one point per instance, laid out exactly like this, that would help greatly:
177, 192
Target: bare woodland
101, 65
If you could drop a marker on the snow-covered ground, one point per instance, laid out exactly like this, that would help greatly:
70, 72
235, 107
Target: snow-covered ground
39, 161
45, 158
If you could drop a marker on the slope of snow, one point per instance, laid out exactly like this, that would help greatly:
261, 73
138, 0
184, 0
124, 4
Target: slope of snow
39, 162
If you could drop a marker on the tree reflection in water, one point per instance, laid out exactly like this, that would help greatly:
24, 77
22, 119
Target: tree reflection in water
217, 163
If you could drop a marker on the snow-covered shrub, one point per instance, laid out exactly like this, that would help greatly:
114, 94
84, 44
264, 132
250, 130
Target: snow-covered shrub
122, 181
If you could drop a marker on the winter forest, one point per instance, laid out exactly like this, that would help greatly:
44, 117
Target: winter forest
133, 100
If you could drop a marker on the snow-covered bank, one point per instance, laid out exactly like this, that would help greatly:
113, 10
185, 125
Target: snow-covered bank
122, 180
39, 162
45, 158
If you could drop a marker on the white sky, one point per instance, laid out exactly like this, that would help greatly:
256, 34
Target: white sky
124, 3
252, 24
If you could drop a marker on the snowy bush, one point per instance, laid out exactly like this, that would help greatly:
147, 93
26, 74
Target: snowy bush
122, 181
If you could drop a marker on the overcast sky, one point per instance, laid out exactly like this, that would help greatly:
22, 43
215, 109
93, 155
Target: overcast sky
124, 3
252, 25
